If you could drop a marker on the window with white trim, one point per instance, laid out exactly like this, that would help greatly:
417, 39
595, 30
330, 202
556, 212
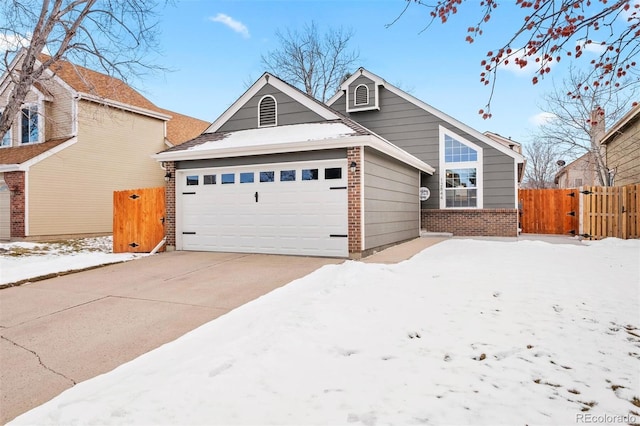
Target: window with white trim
460, 172
361, 95
6, 139
29, 124
267, 111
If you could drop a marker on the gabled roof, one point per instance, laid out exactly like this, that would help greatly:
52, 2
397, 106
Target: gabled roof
101, 87
428, 108
318, 107
337, 131
619, 127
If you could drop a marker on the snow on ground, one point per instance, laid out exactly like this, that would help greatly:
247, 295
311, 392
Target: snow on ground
23, 260
466, 332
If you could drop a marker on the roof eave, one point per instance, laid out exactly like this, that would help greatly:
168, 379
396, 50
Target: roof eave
313, 145
126, 107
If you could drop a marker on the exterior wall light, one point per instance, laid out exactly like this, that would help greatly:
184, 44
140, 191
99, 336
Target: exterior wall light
167, 176
353, 166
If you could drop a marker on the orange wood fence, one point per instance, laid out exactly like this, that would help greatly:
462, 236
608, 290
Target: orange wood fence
593, 212
549, 211
611, 211
138, 219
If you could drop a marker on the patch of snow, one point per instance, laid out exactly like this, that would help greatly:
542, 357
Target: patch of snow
465, 332
25, 260
279, 134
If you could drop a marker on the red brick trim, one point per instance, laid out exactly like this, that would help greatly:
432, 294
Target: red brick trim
354, 183
17, 201
482, 222
170, 199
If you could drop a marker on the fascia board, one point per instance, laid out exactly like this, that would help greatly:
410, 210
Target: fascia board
445, 117
275, 148
420, 104
320, 109
10, 168
620, 124
123, 106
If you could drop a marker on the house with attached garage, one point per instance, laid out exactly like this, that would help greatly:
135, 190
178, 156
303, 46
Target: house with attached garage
280, 172
80, 136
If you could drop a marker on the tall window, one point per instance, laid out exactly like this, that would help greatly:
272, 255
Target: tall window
267, 112
6, 139
29, 124
461, 172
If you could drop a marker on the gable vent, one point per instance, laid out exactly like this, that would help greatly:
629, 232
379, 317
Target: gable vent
362, 95
267, 111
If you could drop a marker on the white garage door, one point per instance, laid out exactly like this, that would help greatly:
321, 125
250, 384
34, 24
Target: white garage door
5, 224
285, 208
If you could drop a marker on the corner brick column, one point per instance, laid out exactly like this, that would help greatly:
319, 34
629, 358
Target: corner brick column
354, 184
170, 200
17, 202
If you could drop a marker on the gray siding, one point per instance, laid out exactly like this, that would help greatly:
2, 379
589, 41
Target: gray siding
392, 210
328, 154
289, 111
417, 132
352, 95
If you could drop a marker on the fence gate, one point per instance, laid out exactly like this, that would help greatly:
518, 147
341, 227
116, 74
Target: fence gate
138, 219
549, 211
611, 211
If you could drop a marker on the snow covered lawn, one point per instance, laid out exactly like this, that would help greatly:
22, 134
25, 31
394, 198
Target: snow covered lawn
22, 260
466, 332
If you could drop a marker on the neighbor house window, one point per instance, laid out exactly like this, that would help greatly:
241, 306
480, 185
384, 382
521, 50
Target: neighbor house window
29, 124
6, 139
267, 111
361, 95
461, 172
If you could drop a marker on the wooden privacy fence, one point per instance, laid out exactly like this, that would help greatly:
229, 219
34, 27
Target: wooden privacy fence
549, 211
611, 211
593, 212
138, 219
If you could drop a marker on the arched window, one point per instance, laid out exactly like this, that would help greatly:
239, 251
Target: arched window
267, 111
362, 95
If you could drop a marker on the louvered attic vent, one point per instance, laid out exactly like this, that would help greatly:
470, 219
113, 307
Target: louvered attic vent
267, 112
362, 95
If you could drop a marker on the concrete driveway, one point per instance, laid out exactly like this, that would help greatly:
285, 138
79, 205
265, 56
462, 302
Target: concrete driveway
59, 332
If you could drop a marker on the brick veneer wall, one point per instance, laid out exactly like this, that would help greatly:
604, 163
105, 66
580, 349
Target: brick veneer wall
16, 183
354, 183
484, 222
170, 199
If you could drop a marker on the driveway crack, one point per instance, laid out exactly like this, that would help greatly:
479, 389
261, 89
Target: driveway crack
39, 360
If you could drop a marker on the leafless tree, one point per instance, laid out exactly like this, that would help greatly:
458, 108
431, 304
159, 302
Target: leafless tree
541, 166
316, 63
578, 121
114, 36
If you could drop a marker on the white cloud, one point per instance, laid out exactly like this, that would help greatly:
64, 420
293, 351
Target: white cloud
12, 41
515, 68
541, 118
236, 26
593, 47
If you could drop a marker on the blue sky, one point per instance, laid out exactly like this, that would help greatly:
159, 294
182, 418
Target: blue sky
214, 60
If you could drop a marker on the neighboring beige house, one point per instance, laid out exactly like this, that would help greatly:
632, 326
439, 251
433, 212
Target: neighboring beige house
80, 136
581, 171
622, 144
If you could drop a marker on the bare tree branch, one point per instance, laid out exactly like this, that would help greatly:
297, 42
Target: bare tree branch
113, 36
579, 121
315, 63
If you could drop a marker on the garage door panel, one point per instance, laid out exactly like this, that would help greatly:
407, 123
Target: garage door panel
290, 217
